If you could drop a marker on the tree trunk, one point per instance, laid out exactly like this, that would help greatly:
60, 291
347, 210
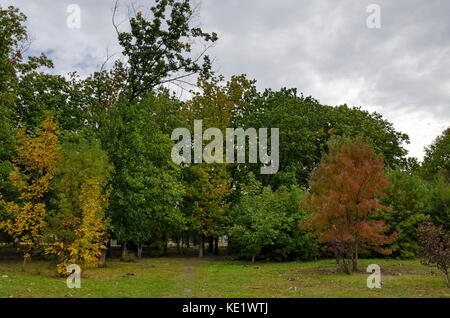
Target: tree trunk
124, 250
177, 241
201, 246
166, 244
105, 253
108, 248
187, 240
139, 250
355, 260
182, 244
216, 245
345, 267
253, 258
194, 240
210, 244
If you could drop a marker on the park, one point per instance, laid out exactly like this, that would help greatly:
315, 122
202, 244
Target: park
220, 277
100, 199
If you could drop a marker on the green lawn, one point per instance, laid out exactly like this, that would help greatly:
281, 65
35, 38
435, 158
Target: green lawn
221, 277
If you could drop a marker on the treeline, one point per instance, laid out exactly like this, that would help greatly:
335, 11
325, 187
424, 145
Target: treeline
83, 161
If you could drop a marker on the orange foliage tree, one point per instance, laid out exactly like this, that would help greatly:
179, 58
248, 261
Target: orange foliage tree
343, 193
35, 166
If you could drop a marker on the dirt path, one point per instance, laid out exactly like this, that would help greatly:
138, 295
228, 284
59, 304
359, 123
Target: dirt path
189, 274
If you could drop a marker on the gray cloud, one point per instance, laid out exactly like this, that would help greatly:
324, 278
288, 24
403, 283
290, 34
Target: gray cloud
323, 48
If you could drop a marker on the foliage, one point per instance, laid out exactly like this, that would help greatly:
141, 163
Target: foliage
435, 244
439, 205
407, 199
35, 167
159, 51
146, 189
437, 158
79, 224
264, 225
209, 186
306, 126
344, 191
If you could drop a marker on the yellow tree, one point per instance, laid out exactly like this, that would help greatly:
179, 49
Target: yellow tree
78, 225
90, 234
35, 166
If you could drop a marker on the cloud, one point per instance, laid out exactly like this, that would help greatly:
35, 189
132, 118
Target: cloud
323, 48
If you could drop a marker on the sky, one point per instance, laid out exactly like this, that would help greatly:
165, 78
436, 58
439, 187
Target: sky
324, 48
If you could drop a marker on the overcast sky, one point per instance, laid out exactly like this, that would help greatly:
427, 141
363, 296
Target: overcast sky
324, 48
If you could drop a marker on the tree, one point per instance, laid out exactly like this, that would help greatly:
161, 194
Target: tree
35, 167
209, 186
436, 169
437, 158
439, 202
146, 188
13, 39
407, 199
7, 153
159, 50
78, 222
264, 224
435, 244
29, 94
306, 126
344, 191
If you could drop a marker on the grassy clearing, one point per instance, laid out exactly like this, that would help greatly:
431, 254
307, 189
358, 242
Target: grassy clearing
221, 277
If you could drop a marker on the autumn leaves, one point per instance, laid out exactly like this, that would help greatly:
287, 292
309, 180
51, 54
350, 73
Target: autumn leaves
36, 164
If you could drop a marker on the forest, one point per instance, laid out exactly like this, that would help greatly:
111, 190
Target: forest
86, 161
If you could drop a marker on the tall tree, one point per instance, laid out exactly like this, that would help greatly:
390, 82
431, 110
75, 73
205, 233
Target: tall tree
209, 185
146, 191
159, 49
344, 191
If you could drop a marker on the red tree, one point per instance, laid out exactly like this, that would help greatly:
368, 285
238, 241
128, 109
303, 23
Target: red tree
344, 191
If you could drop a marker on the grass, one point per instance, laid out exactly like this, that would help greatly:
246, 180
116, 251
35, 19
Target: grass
221, 277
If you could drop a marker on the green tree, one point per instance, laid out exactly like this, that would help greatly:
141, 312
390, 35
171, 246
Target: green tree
159, 50
264, 224
408, 205
437, 158
439, 205
209, 186
306, 126
146, 188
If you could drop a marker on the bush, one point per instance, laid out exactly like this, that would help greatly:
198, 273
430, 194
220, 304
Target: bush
435, 244
264, 225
